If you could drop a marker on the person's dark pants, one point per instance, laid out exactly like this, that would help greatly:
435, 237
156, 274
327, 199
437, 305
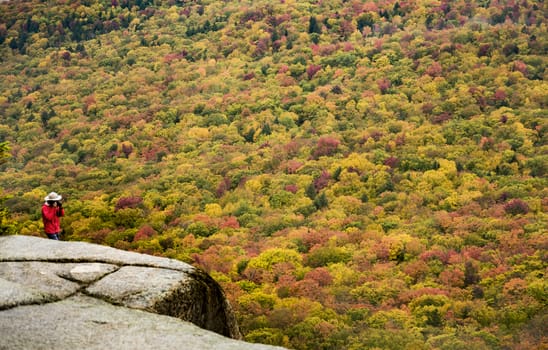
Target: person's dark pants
54, 236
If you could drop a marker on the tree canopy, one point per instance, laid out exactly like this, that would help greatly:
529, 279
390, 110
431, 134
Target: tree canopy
355, 174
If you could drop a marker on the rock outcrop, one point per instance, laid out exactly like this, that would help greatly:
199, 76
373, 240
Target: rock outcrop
67, 295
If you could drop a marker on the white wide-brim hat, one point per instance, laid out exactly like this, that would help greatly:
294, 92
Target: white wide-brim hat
53, 196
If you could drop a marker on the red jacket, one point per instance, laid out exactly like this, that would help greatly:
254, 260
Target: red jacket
50, 217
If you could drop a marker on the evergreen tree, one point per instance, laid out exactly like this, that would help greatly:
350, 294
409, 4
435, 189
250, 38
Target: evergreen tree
314, 26
321, 201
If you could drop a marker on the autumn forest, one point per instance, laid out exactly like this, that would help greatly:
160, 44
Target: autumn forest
355, 174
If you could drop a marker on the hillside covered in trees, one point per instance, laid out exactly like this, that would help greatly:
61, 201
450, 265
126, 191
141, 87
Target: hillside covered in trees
356, 174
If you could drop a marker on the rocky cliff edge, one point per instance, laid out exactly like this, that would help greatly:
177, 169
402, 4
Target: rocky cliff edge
68, 295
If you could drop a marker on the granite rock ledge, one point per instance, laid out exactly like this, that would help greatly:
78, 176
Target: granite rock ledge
67, 295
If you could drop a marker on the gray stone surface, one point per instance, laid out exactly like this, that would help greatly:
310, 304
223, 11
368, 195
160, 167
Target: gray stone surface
76, 295
27, 248
87, 273
42, 278
13, 294
82, 322
138, 287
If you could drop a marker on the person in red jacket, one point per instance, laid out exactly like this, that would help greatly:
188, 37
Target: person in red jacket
52, 210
